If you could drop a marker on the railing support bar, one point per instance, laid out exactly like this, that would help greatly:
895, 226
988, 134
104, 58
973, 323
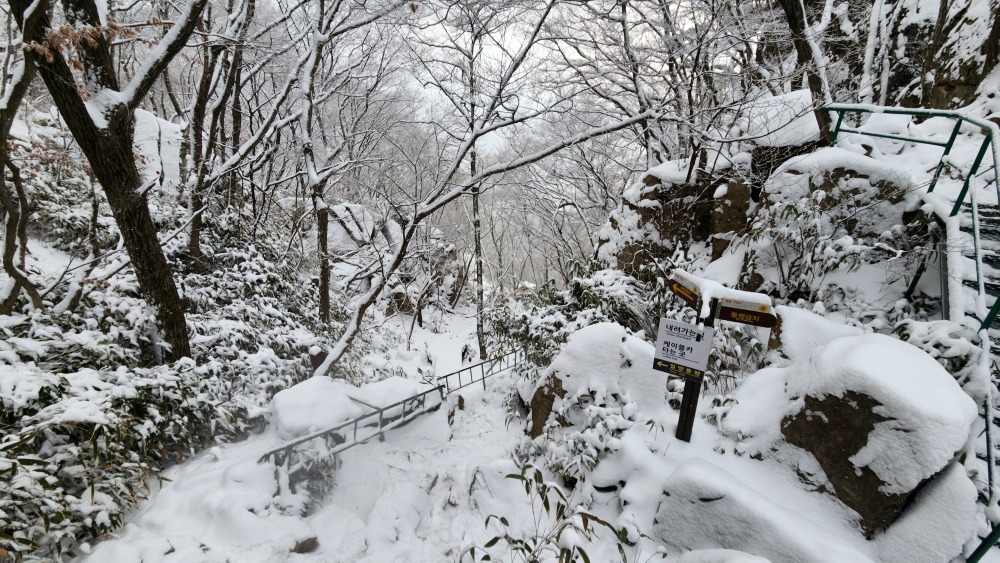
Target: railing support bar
968, 177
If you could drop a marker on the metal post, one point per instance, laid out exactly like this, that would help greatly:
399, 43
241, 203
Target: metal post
942, 246
987, 544
692, 390
381, 437
969, 176
912, 288
947, 151
836, 130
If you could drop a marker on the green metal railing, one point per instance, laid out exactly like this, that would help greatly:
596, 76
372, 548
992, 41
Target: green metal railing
991, 137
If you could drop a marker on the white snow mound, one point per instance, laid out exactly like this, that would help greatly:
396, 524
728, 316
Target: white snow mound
603, 359
706, 507
929, 414
315, 404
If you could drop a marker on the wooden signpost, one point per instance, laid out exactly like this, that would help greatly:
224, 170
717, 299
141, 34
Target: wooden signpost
682, 349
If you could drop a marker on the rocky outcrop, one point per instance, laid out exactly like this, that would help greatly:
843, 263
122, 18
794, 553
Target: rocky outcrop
880, 417
729, 215
833, 429
542, 402
661, 211
861, 195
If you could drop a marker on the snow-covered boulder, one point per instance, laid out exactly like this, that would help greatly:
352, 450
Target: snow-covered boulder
667, 206
601, 362
862, 195
880, 416
705, 507
590, 395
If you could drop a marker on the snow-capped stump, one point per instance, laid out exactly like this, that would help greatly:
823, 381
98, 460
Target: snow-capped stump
880, 416
704, 507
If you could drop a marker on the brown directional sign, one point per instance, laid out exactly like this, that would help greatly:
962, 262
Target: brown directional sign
689, 297
746, 312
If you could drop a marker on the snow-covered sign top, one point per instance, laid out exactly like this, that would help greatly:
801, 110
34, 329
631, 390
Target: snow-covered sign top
711, 289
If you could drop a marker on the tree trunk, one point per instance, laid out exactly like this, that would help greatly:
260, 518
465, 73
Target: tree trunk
478, 236
322, 235
795, 13
108, 148
113, 162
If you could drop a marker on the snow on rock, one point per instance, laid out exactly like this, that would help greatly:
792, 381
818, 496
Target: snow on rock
928, 415
935, 527
780, 121
315, 404
602, 359
704, 507
803, 331
797, 177
879, 415
760, 405
670, 172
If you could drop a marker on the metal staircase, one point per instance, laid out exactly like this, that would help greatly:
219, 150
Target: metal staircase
989, 267
966, 236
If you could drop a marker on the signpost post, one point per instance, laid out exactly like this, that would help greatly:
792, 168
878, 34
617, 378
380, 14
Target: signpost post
682, 349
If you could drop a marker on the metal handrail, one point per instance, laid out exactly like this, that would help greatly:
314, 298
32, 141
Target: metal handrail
385, 418
991, 130
992, 137
376, 418
504, 362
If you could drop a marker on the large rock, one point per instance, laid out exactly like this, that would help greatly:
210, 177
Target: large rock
833, 429
729, 215
668, 206
880, 416
600, 364
705, 507
864, 197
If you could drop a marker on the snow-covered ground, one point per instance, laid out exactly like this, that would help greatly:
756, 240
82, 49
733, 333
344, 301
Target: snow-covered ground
425, 492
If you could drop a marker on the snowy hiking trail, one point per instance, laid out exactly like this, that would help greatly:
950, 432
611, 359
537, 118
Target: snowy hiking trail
424, 492
394, 500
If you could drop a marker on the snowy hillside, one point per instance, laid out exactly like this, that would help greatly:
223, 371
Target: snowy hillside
532, 280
